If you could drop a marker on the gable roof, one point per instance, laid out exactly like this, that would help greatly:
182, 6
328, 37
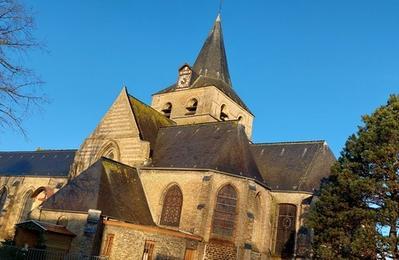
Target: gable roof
221, 146
148, 120
54, 163
111, 187
295, 166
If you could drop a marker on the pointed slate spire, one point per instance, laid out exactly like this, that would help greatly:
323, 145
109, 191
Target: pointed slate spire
211, 61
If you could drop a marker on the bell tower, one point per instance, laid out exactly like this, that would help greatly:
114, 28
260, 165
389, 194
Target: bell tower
204, 92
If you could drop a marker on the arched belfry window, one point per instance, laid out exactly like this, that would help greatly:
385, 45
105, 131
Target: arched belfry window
172, 204
192, 106
167, 109
224, 216
3, 198
285, 241
223, 115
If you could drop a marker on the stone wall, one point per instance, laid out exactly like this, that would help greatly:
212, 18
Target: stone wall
86, 241
210, 99
19, 190
200, 188
129, 244
116, 134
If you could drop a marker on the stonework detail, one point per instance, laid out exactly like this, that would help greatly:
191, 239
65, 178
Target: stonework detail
220, 251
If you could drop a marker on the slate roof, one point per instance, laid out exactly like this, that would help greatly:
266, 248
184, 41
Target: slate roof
148, 120
54, 163
221, 146
45, 227
211, 61
295, 166
210, 67
109, 186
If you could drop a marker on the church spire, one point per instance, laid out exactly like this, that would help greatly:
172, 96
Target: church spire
211, 61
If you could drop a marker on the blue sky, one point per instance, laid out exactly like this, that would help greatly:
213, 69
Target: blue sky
308, 69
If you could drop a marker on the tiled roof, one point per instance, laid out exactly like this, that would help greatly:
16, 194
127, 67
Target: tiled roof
293, 166
111, 187
221, 146
45, 227
55, 163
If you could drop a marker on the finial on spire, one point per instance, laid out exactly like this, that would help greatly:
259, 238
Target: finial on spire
218, 19
220, 10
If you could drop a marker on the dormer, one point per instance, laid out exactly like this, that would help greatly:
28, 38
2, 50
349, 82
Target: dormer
185, 75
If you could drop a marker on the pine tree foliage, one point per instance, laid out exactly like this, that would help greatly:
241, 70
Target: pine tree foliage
357, 213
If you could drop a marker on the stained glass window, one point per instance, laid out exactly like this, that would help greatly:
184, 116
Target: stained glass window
286, 230
224, 215
172, 205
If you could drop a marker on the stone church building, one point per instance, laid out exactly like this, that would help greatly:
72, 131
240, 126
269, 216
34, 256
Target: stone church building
177, 179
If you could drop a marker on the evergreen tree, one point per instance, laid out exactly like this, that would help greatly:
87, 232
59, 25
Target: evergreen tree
357, 213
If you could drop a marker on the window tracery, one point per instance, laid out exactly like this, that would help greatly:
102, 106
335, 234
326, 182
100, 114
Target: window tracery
224, 215
285, 241
172, 205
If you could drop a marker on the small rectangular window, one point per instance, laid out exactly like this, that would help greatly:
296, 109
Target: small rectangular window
148, 250
108, 244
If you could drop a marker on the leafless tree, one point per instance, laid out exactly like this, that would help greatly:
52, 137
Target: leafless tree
20, 90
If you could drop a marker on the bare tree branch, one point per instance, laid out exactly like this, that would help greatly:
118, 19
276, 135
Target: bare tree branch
19, 86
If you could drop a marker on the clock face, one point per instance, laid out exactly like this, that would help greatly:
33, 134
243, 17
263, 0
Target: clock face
184, 80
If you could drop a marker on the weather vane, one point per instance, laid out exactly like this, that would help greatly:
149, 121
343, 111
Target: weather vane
220, 6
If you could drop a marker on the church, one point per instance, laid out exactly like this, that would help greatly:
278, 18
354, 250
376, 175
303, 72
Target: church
177, 179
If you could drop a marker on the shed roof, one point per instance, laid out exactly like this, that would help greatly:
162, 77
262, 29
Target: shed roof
221, 146
45, 227
111, 187
293, 166
54, 163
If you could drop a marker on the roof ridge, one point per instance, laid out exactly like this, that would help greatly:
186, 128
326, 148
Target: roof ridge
291, 142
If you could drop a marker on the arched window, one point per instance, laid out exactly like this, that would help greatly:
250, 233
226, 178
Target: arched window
223, 114
109, 150
285, 241
3, 198
224, 215
28, 203
167, 109
33, 200
172, 204
62, 221
192, 107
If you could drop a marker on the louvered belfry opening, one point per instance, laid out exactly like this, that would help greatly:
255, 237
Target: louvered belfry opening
172, 205
285, 241
224, 216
